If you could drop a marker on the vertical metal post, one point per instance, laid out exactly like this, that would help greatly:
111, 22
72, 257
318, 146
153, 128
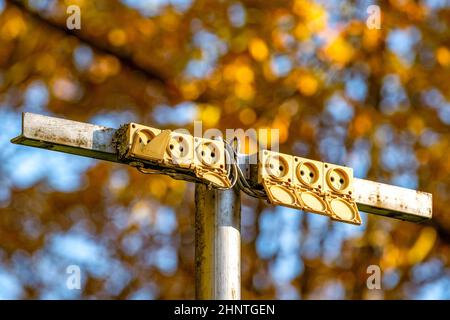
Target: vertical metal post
217, 244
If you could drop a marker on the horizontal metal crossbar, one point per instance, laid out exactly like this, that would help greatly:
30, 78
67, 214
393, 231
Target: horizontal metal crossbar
95, 141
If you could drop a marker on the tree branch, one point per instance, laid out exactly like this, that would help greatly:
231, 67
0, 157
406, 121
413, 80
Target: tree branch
126, 59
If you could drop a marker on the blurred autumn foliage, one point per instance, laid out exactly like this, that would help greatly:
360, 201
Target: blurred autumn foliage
376, 100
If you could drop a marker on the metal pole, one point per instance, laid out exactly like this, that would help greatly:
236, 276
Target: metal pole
217, 244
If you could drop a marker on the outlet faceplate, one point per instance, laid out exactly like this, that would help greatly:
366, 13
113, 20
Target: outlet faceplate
142, 134
275, 174
209, 153
210, 161
338, 186
308, 173
308, 185
338, 179
180, 149
148, 146
276, 166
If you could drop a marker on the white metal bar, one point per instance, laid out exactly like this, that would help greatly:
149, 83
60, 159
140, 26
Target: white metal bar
67, 136
96, 142
392, 201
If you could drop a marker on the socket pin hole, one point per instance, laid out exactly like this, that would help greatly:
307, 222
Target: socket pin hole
171, 147
326, 166
341, 181
140, 140
180, 139
213, 154
281, 168
302, 173
133, 126
203, 153
332, 179
271, 166
311, 175
181, 149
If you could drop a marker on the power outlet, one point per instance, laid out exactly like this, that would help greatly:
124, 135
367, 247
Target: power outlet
145, 134
210, 161
203, 157
180, 150
146, 142
338, 179
275, 166
308, 173
209, 153
275, 174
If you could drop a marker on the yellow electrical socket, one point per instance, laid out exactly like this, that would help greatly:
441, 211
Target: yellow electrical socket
308, 173
338, 179
144, 133
209, 153
203, 157
146, 142
308, 183
180, 150
171, 148
276, 166
338, 186
275, 174
210, 162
